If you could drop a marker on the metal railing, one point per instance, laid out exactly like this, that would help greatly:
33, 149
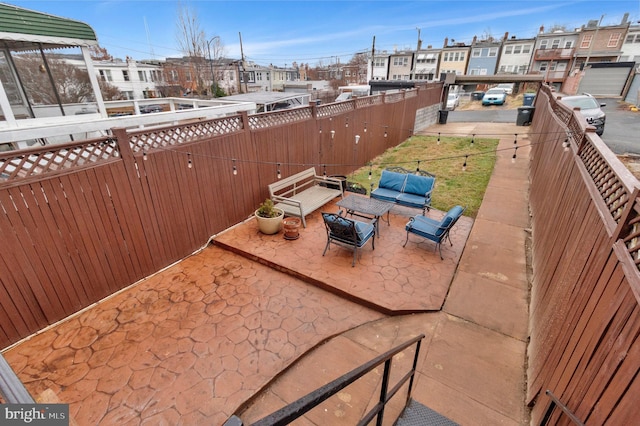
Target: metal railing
12, 390
556, 402
299, 407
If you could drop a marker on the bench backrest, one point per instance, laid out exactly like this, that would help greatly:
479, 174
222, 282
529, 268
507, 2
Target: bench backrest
294, 183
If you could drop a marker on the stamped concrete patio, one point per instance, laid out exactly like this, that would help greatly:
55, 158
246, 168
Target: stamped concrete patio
252, 321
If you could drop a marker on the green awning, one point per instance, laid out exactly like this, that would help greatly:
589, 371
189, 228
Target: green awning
21, 28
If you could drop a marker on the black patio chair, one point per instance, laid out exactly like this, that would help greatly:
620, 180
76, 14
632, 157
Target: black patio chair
348, 233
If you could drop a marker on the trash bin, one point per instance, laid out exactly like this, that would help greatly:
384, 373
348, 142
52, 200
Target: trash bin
477, 96
528, 98
525, 115
442, 116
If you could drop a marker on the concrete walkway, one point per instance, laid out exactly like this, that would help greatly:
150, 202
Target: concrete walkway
192, 344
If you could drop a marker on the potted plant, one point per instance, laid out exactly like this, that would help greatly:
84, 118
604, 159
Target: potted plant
269, 217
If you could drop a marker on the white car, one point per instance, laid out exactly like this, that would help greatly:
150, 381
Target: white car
453, 101
507, 87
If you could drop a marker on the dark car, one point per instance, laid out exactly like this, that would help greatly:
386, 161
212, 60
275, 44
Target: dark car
146, 109
589, 108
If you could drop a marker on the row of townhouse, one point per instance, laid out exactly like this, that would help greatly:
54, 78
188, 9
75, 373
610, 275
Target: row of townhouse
176, 77
556, 54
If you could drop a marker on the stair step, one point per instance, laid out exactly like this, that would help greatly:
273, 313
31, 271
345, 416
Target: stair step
417, 414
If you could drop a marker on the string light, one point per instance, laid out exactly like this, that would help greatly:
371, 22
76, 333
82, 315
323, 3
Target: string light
144, 155
235, 169
365, 127
357, 139
438, 138
189, 163
565, 144
324, 170
320, 130
418, 168
346, 122
278, 171
473, 137
333, 133
385, 131
369, 171
515, 150
515, 141
464, 165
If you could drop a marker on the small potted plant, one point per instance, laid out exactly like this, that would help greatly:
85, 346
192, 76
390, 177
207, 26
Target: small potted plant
269, 217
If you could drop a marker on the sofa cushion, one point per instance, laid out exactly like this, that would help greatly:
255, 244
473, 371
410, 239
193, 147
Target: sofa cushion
451, 215
392, 180
412, 200
418, 185
385, 194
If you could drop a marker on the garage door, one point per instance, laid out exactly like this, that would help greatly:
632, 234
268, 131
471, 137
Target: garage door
605, 79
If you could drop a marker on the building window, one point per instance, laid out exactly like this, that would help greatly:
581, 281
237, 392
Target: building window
517, 49
127, 95
174, 75
125, 75
568, 44
526, 48
401, 61
555, 43
105, 75
586, 41
508, 50
379, 62
543, 44
493, 51
476, 53
614, 39
544, 66
142, 76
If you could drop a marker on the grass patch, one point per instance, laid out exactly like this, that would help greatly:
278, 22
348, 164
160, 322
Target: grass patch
445, 160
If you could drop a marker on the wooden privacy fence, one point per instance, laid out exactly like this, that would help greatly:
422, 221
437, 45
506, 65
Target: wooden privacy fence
83, 220
585, 316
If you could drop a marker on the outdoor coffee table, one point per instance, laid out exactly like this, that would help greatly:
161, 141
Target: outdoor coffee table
366, 207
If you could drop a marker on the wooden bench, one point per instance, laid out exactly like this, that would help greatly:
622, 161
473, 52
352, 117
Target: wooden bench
302, 193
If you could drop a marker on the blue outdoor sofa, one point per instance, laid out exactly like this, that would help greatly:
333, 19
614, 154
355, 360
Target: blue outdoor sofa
405, 188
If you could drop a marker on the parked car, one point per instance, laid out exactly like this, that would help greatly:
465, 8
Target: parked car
146, 109
589, 108
507, 87
453, 101
494, 97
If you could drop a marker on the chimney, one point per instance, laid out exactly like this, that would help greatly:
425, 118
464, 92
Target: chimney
446, 40
475, 39
625, 18
541, 29
506, 35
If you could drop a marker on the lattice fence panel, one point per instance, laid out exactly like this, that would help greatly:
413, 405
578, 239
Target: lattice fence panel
146, 140
54, 158
271, 119
334, 109
607, 182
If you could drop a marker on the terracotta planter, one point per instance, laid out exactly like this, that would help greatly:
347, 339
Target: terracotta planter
291, 226
269, 225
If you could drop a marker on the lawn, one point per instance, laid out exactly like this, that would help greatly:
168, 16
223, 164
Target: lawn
445, 159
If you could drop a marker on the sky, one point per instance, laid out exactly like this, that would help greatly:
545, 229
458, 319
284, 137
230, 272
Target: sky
322, 32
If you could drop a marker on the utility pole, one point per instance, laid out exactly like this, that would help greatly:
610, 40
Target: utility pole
214, 86
373, 58
244, 77
415, 56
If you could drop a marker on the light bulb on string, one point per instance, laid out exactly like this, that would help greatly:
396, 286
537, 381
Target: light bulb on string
515, 141
333, 133
464, 165
473, 137
357, 139
369, 171
189, 162
278, 171
565, 144
320, 130
385, 131
418, 168
438, 138
324, 170
515, 150
346, 122
235, 169
144, 155
365, 127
